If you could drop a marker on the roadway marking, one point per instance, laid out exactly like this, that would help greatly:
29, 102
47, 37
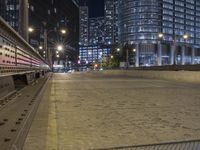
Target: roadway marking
52, 137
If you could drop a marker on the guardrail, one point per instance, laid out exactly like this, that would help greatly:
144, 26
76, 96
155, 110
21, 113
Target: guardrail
16, 55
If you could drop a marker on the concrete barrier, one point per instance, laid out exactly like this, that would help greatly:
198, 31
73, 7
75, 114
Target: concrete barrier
6, 86
181, 76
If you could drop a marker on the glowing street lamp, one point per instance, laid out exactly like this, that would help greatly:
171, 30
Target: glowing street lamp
134, 50
111, 56
63, 31
96, 65
160, 35
118, 49
30, 29
40, 47
60, 48
185, 36
57, 55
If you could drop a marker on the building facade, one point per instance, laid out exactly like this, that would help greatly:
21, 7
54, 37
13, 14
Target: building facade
98, 34
164, 32
83, 25
96, 31
111, 21
93, 54
95, 50
15, 12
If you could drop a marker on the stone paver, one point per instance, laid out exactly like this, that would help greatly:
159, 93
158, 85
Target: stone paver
86, 111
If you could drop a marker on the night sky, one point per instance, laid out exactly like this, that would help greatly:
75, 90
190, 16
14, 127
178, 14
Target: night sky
96, 8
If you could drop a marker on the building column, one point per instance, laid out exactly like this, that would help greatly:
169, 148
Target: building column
193, 55
183, 55
137, 57
159, 55
172, 55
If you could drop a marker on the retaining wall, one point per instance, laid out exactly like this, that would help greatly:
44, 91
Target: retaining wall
182, 76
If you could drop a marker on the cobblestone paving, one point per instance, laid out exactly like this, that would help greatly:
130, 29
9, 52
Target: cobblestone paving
86, 111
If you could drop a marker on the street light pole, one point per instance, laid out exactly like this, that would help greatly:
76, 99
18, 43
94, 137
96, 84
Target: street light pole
45, 41
159, 49
127, 55
48, 52
173, 49
174, 45
127, 58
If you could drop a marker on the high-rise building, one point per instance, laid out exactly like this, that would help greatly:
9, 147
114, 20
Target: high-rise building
15, 12
164, 32
92, 46
96, 50
96, 31
83, 26
111, 21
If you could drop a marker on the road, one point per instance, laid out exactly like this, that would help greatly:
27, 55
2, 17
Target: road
89, 111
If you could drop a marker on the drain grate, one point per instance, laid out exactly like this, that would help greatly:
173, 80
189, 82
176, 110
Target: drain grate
183, 145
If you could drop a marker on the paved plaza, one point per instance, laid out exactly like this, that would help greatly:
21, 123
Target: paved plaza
83, 111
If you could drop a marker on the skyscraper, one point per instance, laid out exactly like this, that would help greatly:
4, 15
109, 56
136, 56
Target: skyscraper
111, 21
15, 12
164, 32
96, 31
83, 25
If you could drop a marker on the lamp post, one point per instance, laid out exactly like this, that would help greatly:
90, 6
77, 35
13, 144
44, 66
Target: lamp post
30, 29
63, 31
127, 54
185, 37
159, 59
174, 46
40, 47
59, 47
45, 46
